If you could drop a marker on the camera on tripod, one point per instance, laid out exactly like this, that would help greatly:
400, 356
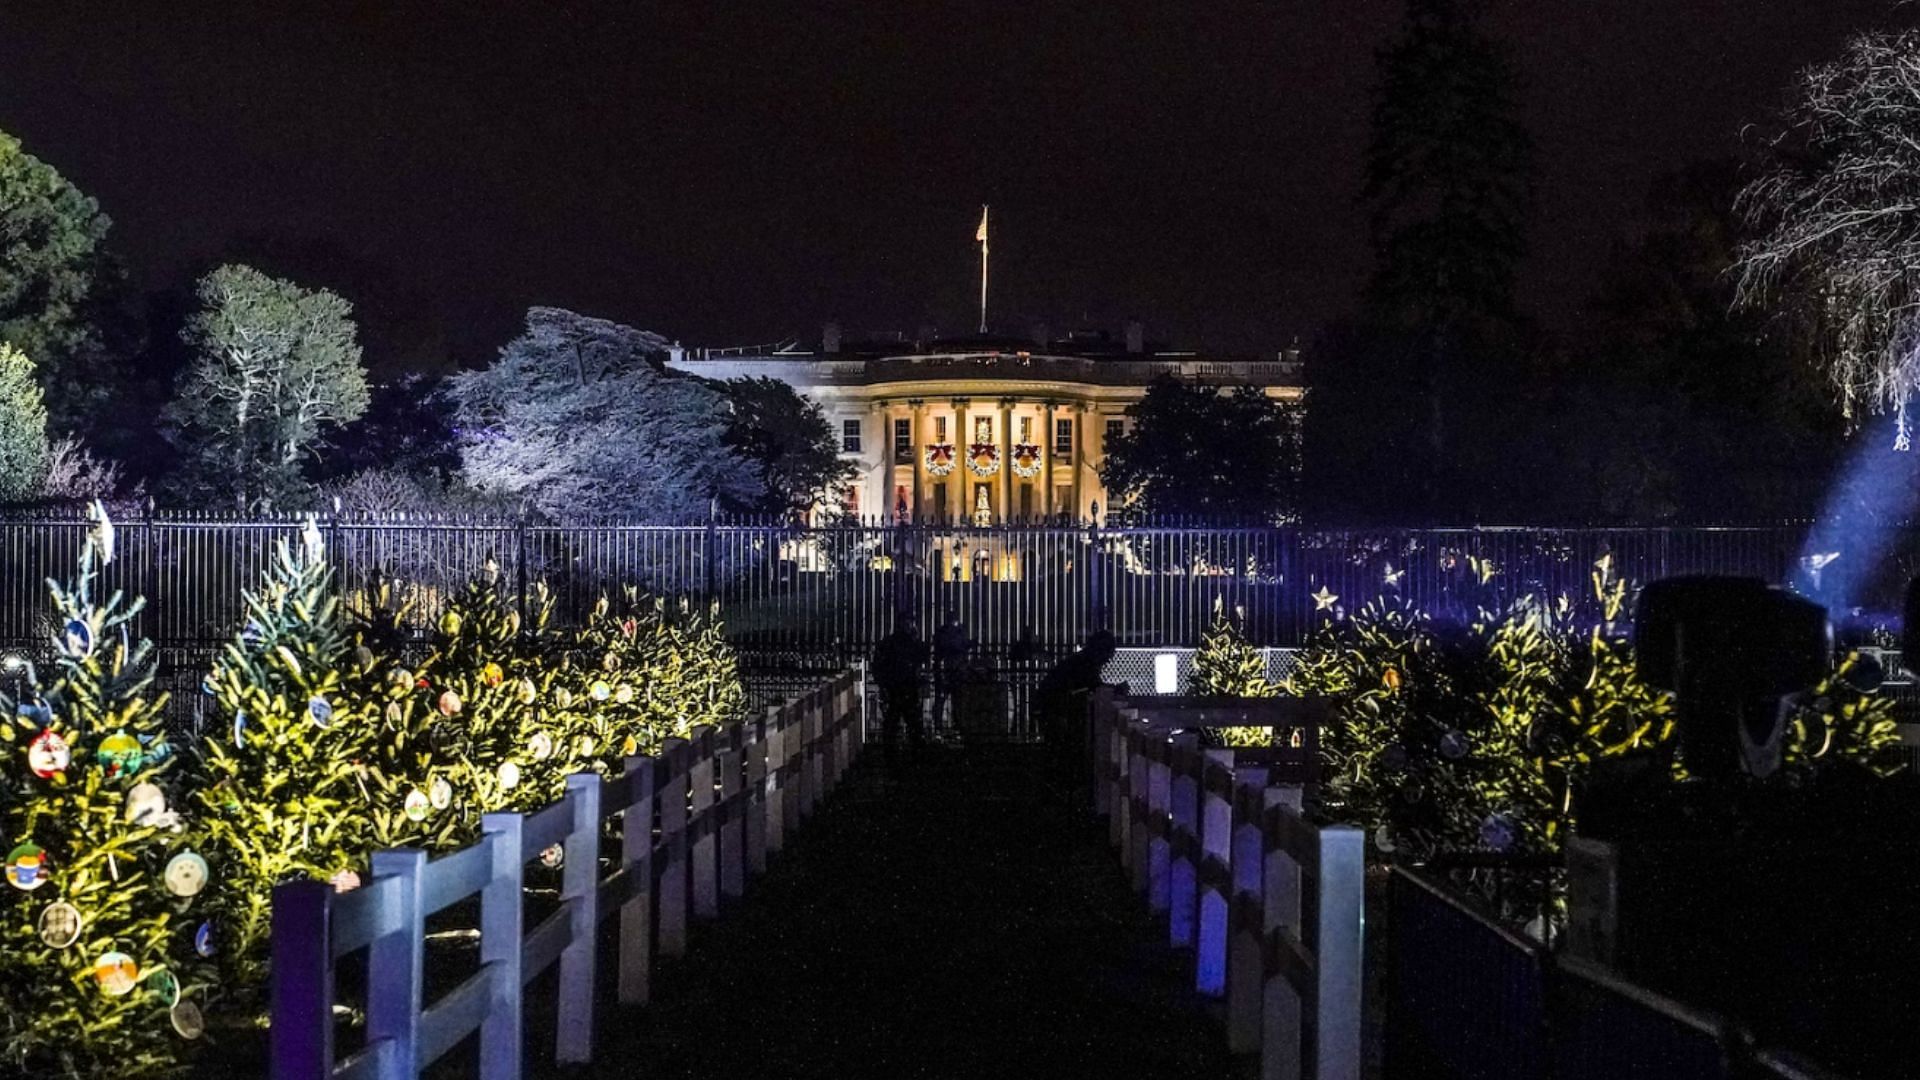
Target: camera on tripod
1734, 651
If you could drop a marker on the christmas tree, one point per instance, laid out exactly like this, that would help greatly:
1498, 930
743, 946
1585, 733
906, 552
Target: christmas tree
98, 919
1226, 666
281, 789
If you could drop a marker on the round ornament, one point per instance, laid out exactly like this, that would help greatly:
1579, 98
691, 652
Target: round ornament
628, 628
240, 729
563, 697
400, 678
145, 804
186, 1020
449, 703
116, 973
610, 662
586, 746
1453, 745
204, 941
1393, 756
60, 925
540, 746
513, 623
394, 713
161, 984
186, 874
492, 675
552, 857
344, 881
450, 624
252, 635
416, 805
623, 694
509, 776
1497, 832
207, 686
600, 691
120, 754
77, 639
49, 755
320, 711
28, 867
1383, 840
527, 692
629, 747
363, 656
440, 793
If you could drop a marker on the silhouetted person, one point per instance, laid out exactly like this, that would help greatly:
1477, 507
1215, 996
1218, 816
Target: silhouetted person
897, 663
950, 648
1060, 704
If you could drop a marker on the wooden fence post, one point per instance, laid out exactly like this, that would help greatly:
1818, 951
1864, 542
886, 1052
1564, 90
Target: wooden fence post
733, 816
501, 942
673, 843
757, 797
395, 963
1246, 912
704, 825
809, 754
302, 1033
1216, 872
580, 892
1183, 812
1159, 845
636, 855
776, 786
1338, 950
1139, 776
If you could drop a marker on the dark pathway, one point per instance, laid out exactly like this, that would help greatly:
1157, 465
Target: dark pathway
943, 926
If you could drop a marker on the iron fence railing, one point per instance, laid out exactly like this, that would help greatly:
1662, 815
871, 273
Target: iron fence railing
829, 592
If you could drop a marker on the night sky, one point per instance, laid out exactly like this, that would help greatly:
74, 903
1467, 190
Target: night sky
736, 173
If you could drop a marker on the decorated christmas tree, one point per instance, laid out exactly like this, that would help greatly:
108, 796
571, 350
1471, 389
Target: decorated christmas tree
1226, 666
282, 789
97, 922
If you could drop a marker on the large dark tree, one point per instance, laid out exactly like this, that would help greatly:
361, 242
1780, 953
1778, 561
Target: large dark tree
580, 418
790, 440
54, 280
1222, 456
1407, 401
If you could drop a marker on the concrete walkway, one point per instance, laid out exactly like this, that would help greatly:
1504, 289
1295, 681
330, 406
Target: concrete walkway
948, 924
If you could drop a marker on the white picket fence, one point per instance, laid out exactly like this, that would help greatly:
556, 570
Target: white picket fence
696, 823
1270, 905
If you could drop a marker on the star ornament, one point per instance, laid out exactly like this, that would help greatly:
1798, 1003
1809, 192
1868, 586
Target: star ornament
1324, 600
1394, 576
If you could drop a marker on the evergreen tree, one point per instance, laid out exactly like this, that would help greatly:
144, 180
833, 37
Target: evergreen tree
97, 926
23, 428
1197, 451
281, 794
1225, 665
54, 273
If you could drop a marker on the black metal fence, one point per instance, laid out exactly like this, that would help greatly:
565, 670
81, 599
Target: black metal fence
833, 590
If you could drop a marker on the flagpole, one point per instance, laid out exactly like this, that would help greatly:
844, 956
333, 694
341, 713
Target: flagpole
983, 269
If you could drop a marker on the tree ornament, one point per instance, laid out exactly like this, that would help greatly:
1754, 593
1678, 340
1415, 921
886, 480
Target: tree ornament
363, 657
400, 679
186, 874
1324, 599
600, 691
394, 714
563, 697
146, 804
629, 747
77, 639
120, 754
344, 881
623, 694
116, 973
27, 867
1383, 840
491, 674
628, 628
440, 793
239, 730
553, 856
450, 703
513, 624
508, 775
186, 1020
610, 662
1497, 832
59, 925
162, 985
450, 624
36, 713
415, 805
1453, 745
320, 711
48, 755
540, 746
527, 692
204, 941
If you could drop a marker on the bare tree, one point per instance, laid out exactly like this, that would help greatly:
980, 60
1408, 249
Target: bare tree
1836, 217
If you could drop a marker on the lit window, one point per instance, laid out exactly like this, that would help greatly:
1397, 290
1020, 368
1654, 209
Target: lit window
939, 429
850, 436
1115, 428
903, 436
1063, 436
